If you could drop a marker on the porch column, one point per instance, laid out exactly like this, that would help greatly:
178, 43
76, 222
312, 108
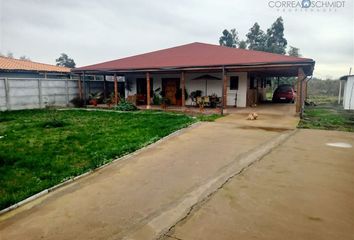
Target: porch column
183, 86
299, 88
224, 77
80, 87
84, 88
104, 87
115, 89
147, 90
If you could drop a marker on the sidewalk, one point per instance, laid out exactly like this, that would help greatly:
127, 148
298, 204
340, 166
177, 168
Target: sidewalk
304, 189
123, 197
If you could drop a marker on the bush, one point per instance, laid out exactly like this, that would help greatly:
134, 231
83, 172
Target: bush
77, 102
123, 105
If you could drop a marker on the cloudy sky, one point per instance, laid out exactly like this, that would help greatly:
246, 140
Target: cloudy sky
93, 31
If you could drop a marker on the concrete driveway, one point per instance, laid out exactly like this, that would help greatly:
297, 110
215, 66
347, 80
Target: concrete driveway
121, 199
303, 189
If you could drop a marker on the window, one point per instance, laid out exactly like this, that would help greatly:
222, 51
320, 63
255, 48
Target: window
253, 82
234, 83
141, 86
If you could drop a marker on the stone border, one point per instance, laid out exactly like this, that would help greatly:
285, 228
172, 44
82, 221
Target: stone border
74, 179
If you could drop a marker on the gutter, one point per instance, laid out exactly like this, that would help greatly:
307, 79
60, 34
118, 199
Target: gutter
230, 66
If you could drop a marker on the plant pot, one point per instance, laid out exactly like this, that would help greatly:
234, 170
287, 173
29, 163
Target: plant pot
93, 102
179, 102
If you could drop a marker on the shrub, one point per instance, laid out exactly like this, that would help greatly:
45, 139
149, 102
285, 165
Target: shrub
124, 105
77, 102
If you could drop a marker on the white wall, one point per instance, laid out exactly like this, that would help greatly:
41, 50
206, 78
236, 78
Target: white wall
213, 86
348, 98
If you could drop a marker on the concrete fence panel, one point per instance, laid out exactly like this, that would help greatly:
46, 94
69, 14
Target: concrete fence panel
29, 93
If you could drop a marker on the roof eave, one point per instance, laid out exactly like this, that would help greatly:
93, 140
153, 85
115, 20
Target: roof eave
186, 68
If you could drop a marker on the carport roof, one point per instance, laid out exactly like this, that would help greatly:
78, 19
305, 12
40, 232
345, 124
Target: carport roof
195, 55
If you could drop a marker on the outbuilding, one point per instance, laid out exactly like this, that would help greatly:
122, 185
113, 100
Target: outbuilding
348, 94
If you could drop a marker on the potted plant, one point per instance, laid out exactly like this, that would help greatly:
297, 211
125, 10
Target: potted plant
110, 100
156, 99
165, 102
94, 98
194, 95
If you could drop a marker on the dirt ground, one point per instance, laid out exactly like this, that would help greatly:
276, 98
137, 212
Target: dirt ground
303, 189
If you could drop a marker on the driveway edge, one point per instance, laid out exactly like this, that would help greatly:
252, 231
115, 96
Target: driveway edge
157, 227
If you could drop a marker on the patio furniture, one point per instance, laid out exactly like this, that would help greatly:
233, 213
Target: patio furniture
206, 101
140, 99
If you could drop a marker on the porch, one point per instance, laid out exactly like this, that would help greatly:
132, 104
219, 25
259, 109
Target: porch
198, 74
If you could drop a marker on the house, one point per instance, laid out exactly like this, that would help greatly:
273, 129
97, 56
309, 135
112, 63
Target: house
237, 76
16, 68
348, 95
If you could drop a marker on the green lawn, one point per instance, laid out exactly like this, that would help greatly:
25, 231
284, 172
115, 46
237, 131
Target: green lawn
329, 117
41, 148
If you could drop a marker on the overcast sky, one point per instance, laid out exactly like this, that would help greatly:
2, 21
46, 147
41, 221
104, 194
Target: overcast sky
92, 31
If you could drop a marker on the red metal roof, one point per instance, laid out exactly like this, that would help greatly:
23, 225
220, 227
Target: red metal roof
193, 55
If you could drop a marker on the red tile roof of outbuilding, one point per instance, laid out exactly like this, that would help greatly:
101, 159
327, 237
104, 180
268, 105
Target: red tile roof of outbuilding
12, 64
193, 55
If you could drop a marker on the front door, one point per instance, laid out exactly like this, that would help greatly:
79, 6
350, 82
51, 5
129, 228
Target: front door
170, 87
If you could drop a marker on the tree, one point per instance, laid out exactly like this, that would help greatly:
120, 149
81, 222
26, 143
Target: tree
65, 61
242, 44
25, 58
293, 51
10, 55
229, 38
256, 38
276, 43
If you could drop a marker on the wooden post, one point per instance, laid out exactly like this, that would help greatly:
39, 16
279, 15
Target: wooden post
104, 87
80, 87
299, 94
84, 89
183, 86
115, 89
147, 90
224, 91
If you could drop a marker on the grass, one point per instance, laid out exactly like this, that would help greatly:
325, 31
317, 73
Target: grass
41, 148
322, 99
328, 117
